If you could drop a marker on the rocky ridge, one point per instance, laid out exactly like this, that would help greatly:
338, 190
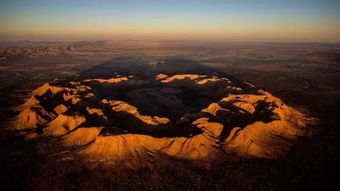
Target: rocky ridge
186, 116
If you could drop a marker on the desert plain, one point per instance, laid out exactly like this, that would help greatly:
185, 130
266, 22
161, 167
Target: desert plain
145, 93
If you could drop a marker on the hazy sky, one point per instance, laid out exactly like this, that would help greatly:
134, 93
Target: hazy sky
233, 20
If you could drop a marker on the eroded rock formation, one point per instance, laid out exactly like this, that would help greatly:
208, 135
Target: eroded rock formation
187, 116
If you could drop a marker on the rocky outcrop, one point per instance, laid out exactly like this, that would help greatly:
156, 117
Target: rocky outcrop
186, 116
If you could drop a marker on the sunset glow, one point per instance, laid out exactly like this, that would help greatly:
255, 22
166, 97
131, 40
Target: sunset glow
233, 20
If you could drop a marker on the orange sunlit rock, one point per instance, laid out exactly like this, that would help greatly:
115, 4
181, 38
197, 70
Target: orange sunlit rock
111, 80
156, 117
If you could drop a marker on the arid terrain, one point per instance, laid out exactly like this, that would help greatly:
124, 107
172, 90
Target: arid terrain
169, 115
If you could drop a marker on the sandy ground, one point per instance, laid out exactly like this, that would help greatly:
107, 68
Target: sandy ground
305, 76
